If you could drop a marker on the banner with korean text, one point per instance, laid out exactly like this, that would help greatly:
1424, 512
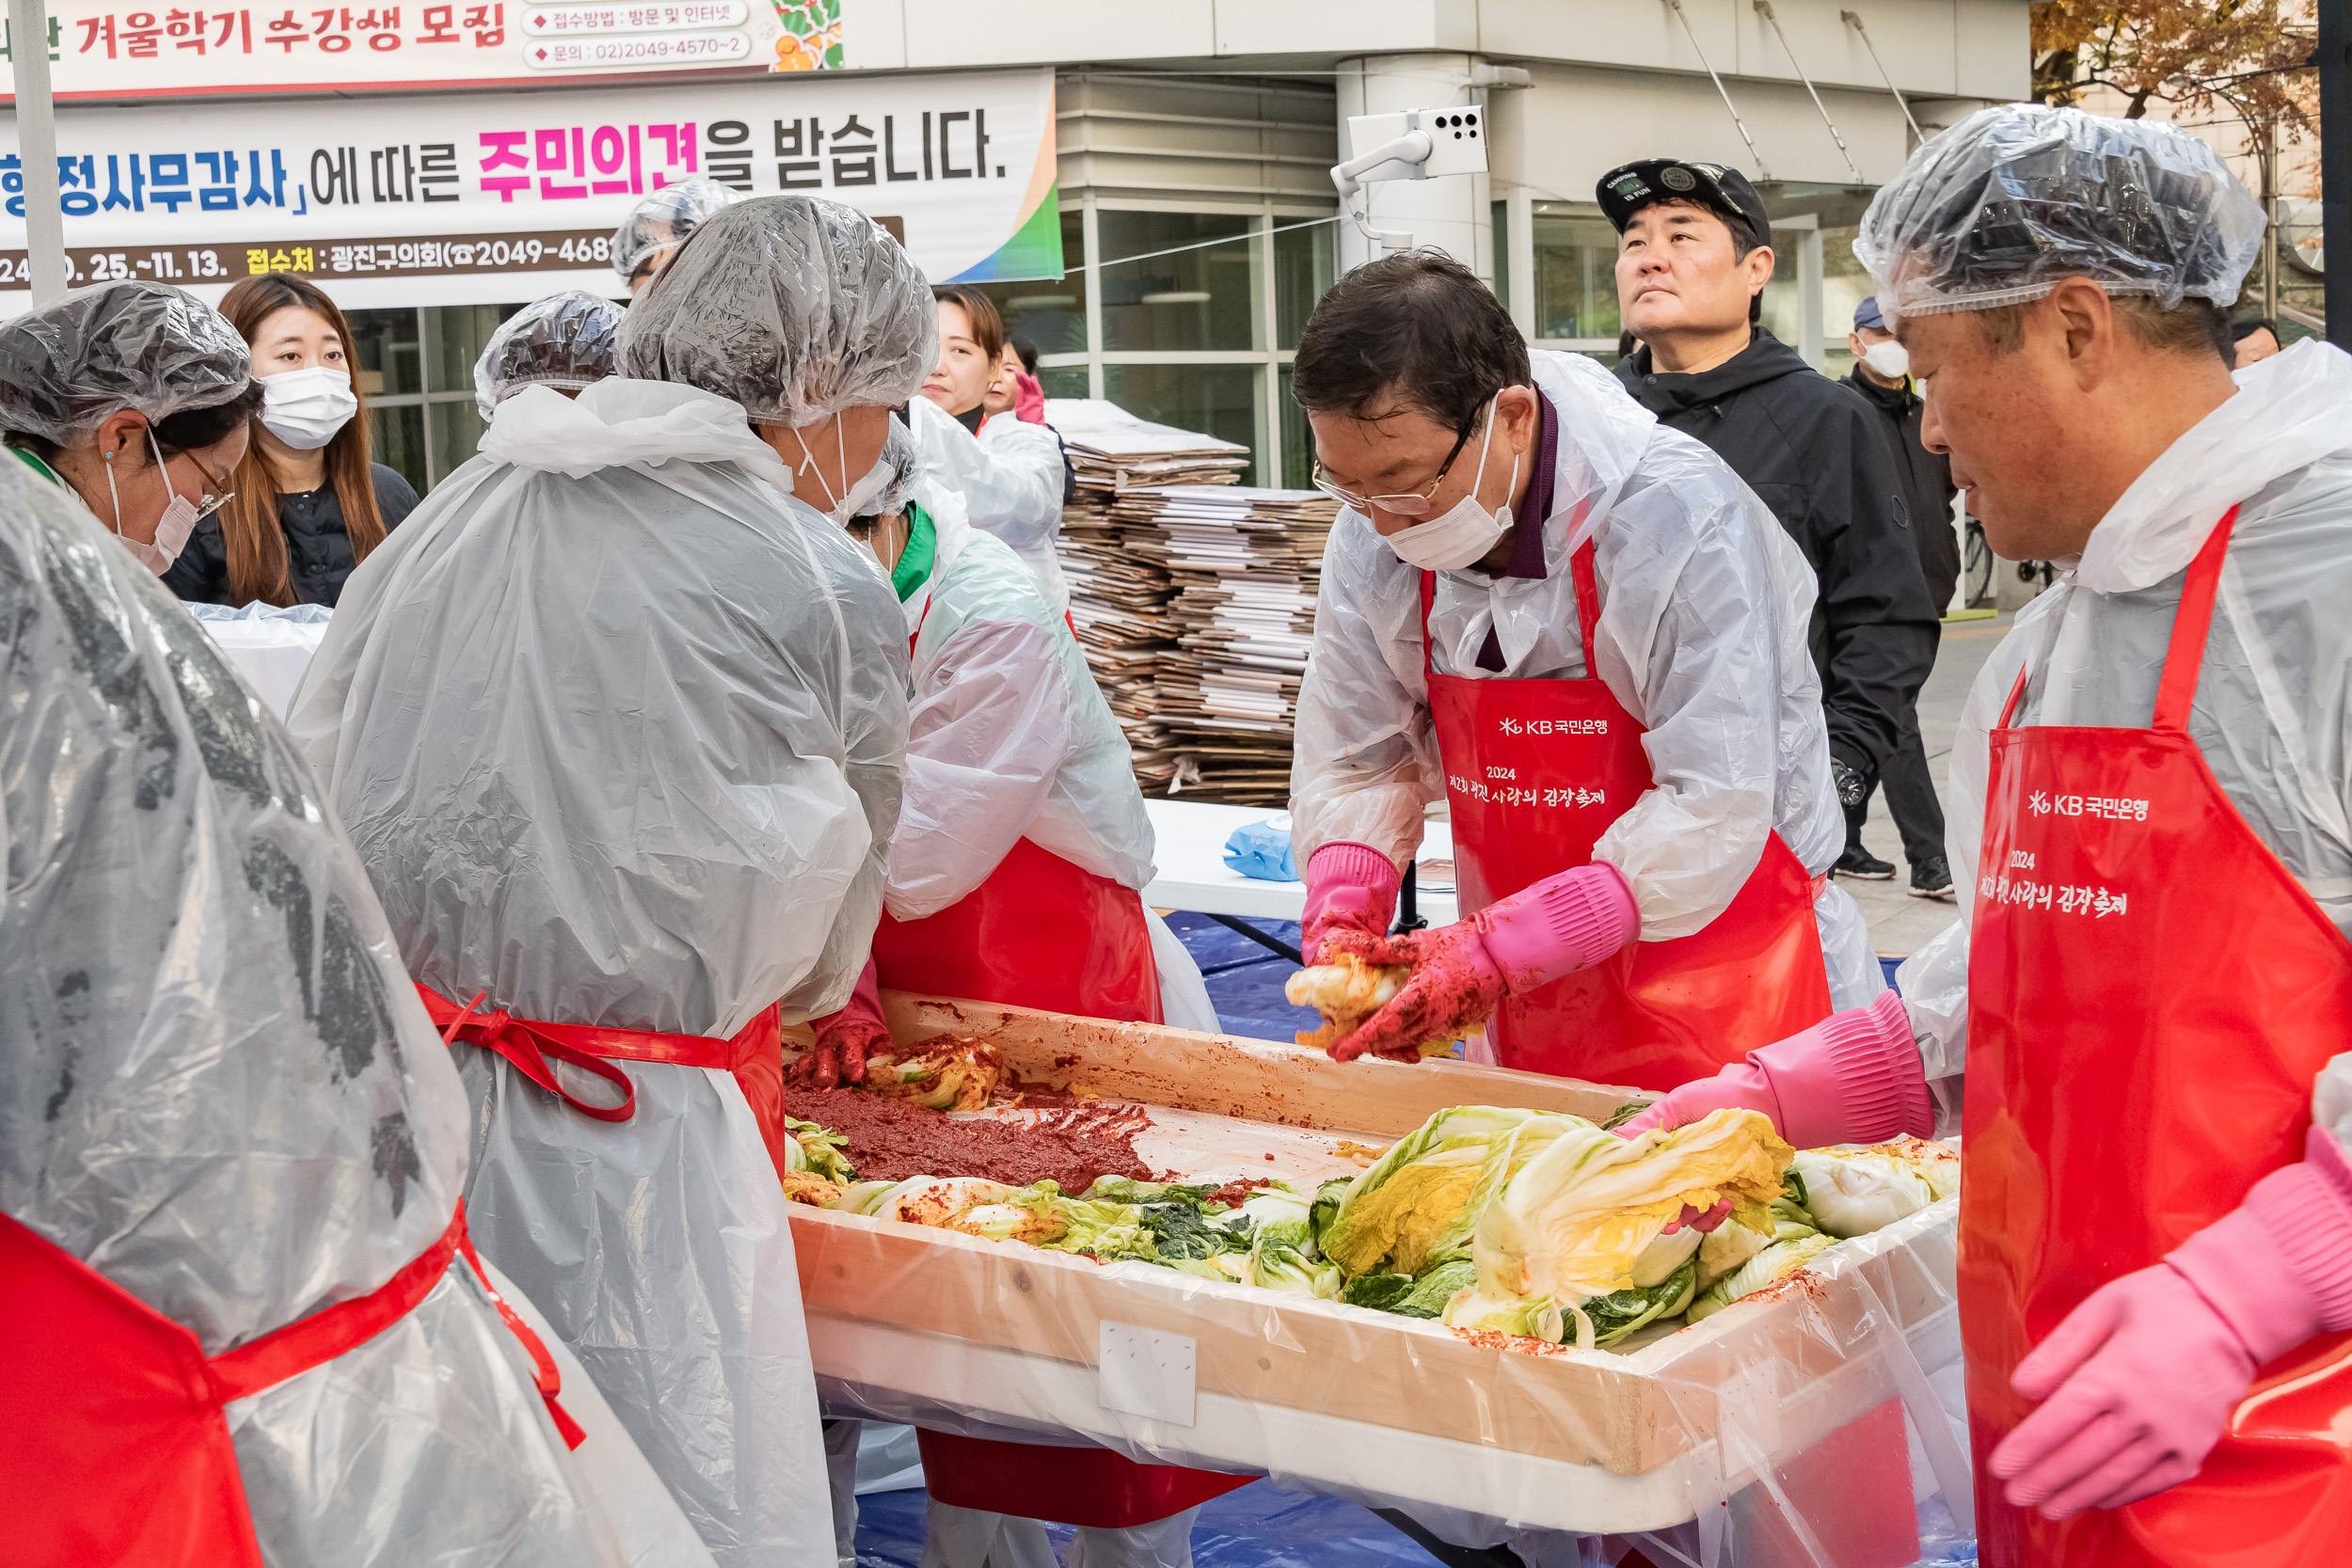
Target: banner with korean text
123, 49
500, 198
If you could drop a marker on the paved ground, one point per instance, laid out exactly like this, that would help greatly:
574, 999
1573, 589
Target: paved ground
1900, 922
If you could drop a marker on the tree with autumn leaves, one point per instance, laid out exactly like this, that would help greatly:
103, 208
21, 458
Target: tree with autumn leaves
2241, 54
2244, 58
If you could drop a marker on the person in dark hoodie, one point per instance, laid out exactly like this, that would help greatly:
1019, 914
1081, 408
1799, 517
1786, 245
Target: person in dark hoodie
1692, 266
1882, 376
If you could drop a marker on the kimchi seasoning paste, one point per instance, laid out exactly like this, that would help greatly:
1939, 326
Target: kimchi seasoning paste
890, 1140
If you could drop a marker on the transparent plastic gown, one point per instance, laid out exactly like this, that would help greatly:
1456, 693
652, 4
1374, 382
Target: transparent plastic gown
1705, 603
1011, 478
617, 728
1010, 739
2274, 696
221, 1093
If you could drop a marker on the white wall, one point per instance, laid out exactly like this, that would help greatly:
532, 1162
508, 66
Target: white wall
1576, 123
1949, 48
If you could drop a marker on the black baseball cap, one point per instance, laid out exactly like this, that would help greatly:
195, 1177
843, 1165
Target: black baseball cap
1629, 187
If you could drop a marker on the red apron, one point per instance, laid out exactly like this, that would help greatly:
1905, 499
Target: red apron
2150, 996
754, 1056
114, 1448
1040, 932
1535, 773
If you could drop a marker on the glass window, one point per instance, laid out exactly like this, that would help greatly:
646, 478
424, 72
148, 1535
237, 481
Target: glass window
1305, 264
1049, 313
1204, 298
1575, 281
396, 439
1499, 212
1062, 381
456, 432
1845, 283
464, 332
1299, 439
1222, 400
388, 358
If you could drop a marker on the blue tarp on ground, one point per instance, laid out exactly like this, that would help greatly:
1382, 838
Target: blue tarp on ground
1261, 1525
1244, 979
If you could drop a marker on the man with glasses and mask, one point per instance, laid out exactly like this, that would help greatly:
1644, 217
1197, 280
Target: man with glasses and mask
1585, 634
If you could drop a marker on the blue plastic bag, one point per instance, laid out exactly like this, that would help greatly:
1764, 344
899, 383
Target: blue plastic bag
1262, 849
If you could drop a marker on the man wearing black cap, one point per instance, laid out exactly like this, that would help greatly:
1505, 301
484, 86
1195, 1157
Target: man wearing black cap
1882, 376
1692, 266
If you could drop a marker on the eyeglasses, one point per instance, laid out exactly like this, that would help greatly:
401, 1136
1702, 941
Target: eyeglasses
1409, 503
213, 501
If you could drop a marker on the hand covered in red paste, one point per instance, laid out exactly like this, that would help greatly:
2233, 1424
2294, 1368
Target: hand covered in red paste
845, 1040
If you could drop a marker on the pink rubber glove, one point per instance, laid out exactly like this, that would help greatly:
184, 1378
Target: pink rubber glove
1350, 887
845, 1038
1854, 1078
1462, 972
2139, 1382
1028, 399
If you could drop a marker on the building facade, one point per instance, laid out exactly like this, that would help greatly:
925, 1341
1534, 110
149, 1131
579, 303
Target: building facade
1144, 191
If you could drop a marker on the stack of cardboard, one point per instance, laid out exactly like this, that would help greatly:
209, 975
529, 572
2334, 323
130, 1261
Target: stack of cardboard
1118, 595
1245, 564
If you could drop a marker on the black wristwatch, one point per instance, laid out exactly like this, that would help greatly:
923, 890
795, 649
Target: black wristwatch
1854, 787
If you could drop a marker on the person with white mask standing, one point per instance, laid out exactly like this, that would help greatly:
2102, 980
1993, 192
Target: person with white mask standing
309, 504
1581, 630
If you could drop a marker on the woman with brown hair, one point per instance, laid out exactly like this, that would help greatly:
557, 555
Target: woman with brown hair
309, 505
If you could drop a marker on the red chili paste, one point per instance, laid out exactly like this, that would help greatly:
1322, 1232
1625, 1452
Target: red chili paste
890, 1140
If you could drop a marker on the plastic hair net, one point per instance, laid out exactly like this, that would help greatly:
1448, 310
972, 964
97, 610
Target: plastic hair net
571, 339
218, 1091
664, 219
63, 370
795, 307
2013, 200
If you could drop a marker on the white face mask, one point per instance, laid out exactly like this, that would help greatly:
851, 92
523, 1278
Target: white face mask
304, 409
1889, 358
171, 530
862, 495
1463, 532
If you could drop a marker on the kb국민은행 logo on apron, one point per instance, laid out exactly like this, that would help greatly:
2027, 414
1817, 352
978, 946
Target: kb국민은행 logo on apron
1551, 726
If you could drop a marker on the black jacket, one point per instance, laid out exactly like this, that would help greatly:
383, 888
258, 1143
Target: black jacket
1928, 487
318, 551
1815, 455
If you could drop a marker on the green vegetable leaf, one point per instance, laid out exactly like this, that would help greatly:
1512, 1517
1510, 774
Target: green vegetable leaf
1621, 1312
1179, 1230
1379, 1292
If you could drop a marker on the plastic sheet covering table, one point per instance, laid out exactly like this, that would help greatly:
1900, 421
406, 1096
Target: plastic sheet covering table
270, 645
1192, 873
1709, 1423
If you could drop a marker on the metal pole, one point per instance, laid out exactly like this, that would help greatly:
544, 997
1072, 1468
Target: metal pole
1855, 23
1764, 9
1763, 172
2270, 230
2334, 59
37, 149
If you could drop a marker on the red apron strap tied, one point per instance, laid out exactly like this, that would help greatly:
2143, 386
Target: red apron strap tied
314, 1340
528, 1045
544, 1372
